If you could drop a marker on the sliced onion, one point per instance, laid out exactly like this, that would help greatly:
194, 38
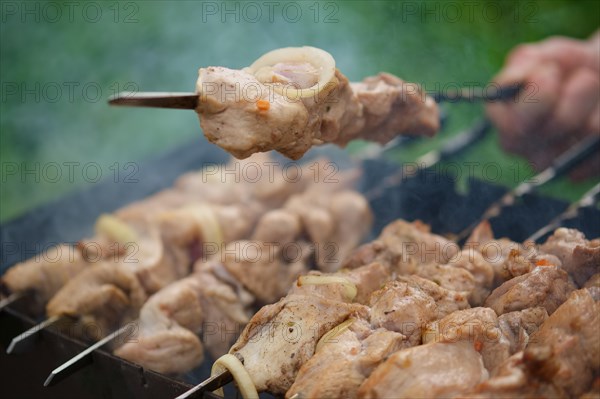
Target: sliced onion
239, 373
208, 223
350, 289
114, 228
333, 333
320, 59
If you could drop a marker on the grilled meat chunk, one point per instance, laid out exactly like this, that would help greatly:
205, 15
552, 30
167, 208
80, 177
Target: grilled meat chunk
105, 295
409, 303
171, 320
432, 370
404, 247
281, 337
477, 326
561, 360
44, 274
293, 98
579, 256
518, 326
338, 368
571, 336
545, 286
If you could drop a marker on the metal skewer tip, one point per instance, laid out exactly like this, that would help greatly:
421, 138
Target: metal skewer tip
21, 341
155, 99
588, 199
81, 360
12, 298
561, 165
211, 384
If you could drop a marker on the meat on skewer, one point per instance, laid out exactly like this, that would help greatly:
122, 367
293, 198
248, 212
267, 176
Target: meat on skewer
257, 268
293, 98
463, 352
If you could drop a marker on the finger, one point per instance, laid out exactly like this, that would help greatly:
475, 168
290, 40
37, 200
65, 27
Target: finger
519, 64
520, 120
578, 98
538, 99
569, 53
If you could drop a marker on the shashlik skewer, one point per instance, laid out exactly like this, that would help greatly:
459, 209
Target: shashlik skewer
265, 275
359, 224
538, 262
293, 98
41, 277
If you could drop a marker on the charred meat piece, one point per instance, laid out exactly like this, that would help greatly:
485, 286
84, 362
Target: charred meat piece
43, 275
281, 337
293, 98
579, 256
566, 349
172, 319
432, 370
545, 286
104, 296
561, 360
409, 303
477, 326
339, 367
518, 326
404, 247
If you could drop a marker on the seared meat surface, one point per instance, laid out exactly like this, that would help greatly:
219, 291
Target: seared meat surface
432, 370
545, 286
510, 347
43, 275
579, 256
281, 337
293, 98
338, 368
172, 319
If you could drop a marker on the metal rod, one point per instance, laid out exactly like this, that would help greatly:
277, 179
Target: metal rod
473, 94
587, 200
451, 147
211, 384
188, 100
18, 343
12, 298
155, 99
569, 159
81, 360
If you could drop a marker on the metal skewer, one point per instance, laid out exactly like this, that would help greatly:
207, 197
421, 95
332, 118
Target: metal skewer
451, 147
474, 94
155, 99
561, 165
211, 384
82, 359
587, 200
21, 341
12, 298
188, 100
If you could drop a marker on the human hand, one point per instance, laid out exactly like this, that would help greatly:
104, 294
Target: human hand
559, 104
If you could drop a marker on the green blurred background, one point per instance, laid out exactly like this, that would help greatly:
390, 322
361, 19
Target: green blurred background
60, 61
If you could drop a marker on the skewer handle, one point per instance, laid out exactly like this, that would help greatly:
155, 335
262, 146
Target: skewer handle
155, 99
